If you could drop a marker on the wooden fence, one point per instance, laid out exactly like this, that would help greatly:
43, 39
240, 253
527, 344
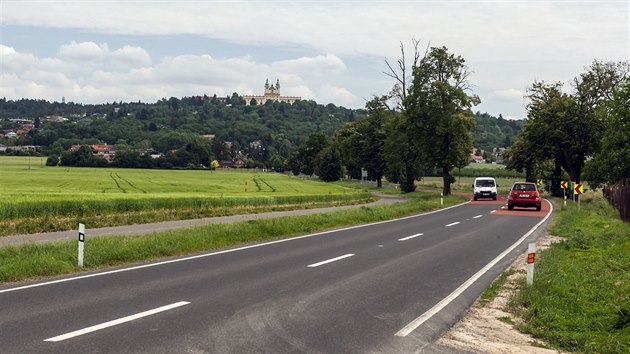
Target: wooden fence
619, 196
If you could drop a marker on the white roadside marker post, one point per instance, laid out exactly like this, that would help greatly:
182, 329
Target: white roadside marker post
565, 201
531, 255
81, 242
441, 198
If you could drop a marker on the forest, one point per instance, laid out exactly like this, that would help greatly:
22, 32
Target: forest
193, 131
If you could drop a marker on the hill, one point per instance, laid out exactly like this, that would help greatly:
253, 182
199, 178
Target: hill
494, 132
194, 130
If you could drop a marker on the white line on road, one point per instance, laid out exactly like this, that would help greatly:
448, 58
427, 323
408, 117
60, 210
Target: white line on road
115, 322
184, 259
409, 237
331, 260
453, 223
493, 211
477, 217
457, 292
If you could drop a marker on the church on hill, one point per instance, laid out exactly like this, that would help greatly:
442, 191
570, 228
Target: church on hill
272, 93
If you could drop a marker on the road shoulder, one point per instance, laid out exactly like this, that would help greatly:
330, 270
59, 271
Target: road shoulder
490, 328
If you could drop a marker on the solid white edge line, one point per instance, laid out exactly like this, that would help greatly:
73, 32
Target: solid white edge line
477, 217
222, 252
452, 224
330, 260
115, 322
457, 292
493, 211
410, 237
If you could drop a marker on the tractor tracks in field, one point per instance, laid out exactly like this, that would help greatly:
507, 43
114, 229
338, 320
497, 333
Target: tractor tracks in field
118, 179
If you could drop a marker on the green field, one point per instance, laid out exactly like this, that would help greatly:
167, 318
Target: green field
35, 197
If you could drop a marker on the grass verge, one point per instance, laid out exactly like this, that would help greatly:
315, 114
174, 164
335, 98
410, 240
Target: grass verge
580, 299
126, 212
38, 260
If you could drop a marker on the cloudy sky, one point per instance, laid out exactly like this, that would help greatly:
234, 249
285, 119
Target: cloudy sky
329, 51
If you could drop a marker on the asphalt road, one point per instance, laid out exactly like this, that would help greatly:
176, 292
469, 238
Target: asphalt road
384, 287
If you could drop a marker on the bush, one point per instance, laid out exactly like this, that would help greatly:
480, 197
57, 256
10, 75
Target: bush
52, 160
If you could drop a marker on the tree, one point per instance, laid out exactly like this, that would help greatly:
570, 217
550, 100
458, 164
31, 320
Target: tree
438, 111
277, 163
611, 164
329, 167
52, 160
403, 156
309, 152
363, 141
568, 127
402, 73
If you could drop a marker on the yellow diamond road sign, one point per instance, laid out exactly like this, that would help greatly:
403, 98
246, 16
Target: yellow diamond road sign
539, 182
563, 184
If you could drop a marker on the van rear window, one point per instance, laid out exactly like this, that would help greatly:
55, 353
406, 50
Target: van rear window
484, 183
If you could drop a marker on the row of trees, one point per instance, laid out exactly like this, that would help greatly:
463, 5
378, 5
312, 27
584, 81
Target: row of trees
424, 123
580, 134
170, 124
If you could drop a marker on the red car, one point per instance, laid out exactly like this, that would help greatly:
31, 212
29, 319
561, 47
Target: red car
524, 194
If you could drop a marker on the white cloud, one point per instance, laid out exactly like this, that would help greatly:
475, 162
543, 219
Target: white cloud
84, 72
320, 65
508, 44
336, 94
86, 51
507, 95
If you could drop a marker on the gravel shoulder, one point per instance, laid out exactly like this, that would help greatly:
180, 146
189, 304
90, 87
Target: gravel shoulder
490, 328
141, 229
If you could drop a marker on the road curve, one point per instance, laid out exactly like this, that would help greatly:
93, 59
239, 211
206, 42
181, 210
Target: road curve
366, 288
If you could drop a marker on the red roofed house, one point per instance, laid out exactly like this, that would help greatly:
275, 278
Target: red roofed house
104, 151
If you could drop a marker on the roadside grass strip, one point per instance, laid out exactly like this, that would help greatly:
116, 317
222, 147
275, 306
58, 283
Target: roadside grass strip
40, 260
48, 216
580, 298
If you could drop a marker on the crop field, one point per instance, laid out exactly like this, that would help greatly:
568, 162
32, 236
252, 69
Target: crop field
55, 198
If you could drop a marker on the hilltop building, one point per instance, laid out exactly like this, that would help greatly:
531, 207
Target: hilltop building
272, 93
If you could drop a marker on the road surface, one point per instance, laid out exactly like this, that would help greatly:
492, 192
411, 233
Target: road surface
384, 287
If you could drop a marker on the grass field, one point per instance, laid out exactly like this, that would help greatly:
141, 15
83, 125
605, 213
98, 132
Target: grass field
580, 299
36, 198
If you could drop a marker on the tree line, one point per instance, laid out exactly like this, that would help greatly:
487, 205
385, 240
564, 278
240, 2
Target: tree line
425, 123
578, 134
192, 131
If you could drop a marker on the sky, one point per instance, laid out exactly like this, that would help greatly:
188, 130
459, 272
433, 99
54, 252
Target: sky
98, 51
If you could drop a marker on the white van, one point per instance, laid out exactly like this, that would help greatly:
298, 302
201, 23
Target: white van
485, 187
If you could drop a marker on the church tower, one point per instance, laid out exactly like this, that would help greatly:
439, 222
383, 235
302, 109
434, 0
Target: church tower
272, 93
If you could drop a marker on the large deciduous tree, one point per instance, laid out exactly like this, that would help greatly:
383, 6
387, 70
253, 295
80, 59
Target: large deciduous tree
568, 127
612, 163
437, 111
